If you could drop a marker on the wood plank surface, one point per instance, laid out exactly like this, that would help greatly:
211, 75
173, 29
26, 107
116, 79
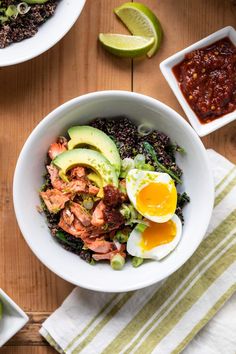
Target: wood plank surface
27, 350
29, 335
28, 92
75, 66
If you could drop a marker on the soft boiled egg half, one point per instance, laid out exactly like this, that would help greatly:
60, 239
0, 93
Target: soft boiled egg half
153, 194
157, 240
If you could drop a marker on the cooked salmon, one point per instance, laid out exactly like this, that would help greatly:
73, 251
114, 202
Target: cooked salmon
57, 148
75, 228
81, 213
54, 199
77, 172
93, 190
56, 181
99, 246
75, 186
98, 215
68, 216
109, 255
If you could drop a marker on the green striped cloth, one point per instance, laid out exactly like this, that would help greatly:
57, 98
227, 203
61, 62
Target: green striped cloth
164, 318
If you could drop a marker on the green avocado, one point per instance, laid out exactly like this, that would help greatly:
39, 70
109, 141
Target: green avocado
96, 139
95, 178
88, 158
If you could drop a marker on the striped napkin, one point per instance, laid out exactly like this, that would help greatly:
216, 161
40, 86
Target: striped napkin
162, 318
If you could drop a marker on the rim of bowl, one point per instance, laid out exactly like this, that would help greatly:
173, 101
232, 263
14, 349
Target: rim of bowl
73, 103
36, 52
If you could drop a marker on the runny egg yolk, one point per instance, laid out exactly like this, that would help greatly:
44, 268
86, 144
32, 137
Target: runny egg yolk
157, 234
157, 199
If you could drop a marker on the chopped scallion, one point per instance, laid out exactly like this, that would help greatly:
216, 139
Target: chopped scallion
11, 11
141, 227
150, 150
117, 262
23, 8
136, 261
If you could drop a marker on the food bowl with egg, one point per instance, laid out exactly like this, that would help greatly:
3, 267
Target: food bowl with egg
142, 183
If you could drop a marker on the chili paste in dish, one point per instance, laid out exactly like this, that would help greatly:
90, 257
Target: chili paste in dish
207, 79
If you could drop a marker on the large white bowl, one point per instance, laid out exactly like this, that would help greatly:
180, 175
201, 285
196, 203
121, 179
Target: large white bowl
198, 184
47, 36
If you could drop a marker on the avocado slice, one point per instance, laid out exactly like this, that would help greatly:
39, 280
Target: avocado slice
95, 178
96, 139
88, 158
92, 176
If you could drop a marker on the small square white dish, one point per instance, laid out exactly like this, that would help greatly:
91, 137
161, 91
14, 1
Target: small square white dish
13, 318
166, 69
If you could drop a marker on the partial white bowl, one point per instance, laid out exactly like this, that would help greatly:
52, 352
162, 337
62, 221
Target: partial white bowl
13, 318
30, 168
49, 33
166, 69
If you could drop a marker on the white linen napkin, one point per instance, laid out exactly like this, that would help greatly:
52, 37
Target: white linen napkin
164, 318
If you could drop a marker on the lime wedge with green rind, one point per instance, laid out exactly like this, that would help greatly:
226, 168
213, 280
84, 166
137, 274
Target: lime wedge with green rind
126, 46
141, 21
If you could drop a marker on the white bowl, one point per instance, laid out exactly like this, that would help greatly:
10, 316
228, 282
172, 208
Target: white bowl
28, 178
166, 68
13, 318
47, 36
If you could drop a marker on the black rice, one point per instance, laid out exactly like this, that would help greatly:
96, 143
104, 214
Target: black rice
25, 26
73, 244
130, 143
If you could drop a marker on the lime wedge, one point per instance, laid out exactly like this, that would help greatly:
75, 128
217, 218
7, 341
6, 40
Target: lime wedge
126, 46
141, 21
1, 309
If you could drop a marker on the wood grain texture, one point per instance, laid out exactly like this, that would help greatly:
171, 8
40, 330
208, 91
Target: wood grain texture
27, 350
185, 22
75, 66
29, 335
28, 92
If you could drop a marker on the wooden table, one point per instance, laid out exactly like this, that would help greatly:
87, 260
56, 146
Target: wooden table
73, 67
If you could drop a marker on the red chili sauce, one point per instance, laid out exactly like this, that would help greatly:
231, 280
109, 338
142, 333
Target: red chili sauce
207, 78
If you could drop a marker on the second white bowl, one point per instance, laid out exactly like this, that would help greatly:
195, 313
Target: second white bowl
49, 33
13, 318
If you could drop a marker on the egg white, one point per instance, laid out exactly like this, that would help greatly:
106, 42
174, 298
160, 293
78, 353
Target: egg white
138, 179
158, 252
